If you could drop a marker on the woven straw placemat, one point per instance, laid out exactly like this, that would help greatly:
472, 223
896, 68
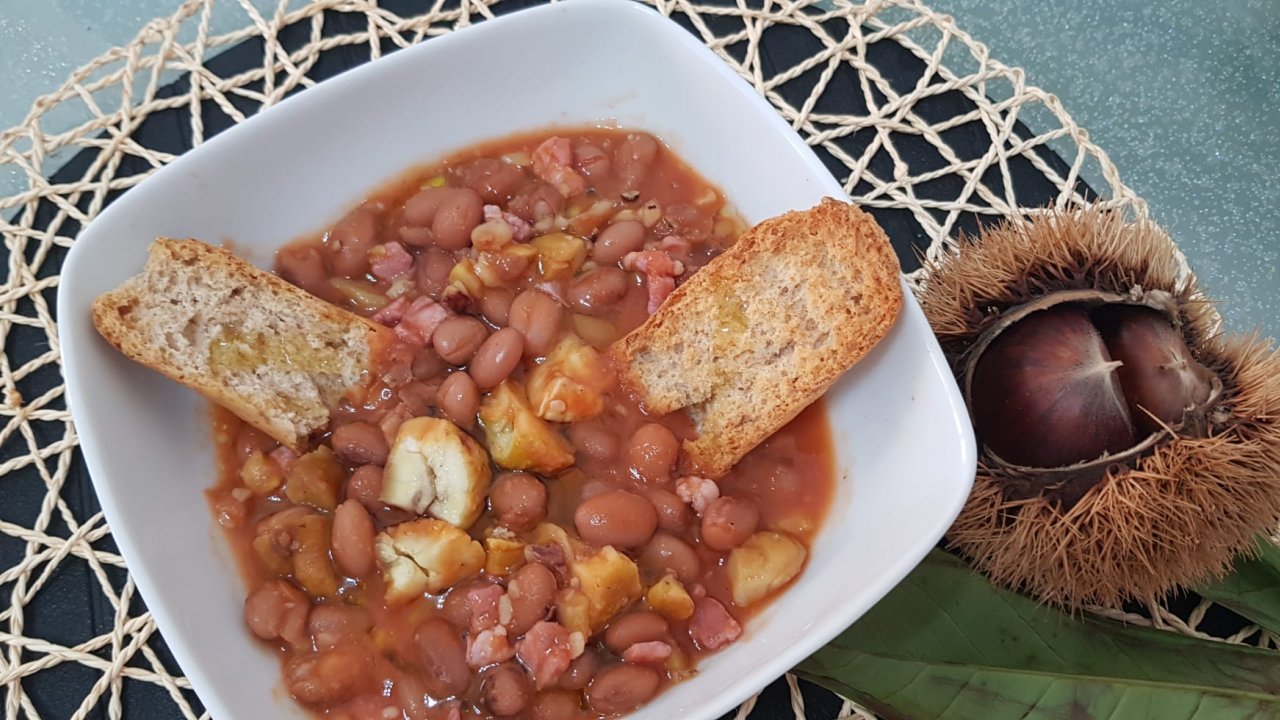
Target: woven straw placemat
913, 116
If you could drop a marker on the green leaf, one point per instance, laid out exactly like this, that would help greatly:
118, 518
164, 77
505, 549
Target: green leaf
1253, 587
946, 644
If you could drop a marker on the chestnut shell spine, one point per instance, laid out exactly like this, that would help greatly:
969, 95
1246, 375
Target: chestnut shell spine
1172, 512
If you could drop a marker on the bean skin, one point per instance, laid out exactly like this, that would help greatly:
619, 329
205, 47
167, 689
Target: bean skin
443, 656
635, 627
580, 671
365, 485
673, 514
597, 291
250, 440
728, 522
278, 610
593, 162
537, 316
434, 267
352, 539
633, 159
351, 240
459, 399
668, 552
331, 624
556, 705
621, 688
495, 305
618, 518
457, 603
519, 500
330, 677
492, 178
507, 690
360, 443
459, 212
653, 450
497, 358
531, 591
594, 440
420, 209
305, 267
457, 339
616, 240
427, 365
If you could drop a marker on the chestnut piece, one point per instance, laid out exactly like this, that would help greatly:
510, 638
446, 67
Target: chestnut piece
1045, 393
1161, 379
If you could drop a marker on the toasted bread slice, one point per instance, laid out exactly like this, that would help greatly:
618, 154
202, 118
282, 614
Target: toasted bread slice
274, 355
762, 331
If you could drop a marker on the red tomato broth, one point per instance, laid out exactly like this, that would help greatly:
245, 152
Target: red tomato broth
789, 478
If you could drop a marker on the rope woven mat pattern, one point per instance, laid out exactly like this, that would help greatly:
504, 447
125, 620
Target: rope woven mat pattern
916, 119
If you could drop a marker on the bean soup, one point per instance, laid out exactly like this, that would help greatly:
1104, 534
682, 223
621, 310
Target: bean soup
496, 528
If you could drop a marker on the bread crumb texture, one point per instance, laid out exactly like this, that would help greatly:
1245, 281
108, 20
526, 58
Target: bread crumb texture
764, 329
270, 352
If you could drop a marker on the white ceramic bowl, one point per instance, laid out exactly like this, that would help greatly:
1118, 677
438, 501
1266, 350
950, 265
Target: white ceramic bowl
903, 441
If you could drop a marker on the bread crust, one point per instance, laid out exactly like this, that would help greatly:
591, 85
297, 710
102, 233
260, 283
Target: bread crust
764, 329
191, 297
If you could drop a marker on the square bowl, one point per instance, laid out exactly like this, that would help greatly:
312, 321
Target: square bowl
903, 443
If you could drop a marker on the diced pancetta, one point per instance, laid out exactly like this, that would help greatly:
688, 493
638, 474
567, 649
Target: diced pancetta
712, 627
389, 261
676, 248
552, 162
552, 556
654, 651
392, 313
284, 457
521, 230
421, 318
660, 273
483, 602
546, 650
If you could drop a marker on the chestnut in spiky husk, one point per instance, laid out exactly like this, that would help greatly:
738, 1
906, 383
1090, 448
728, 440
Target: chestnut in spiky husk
1045, 393
1127, 448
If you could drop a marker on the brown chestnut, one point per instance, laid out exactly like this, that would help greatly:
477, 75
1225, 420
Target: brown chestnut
1045, 393
1161, 379
1074, 382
